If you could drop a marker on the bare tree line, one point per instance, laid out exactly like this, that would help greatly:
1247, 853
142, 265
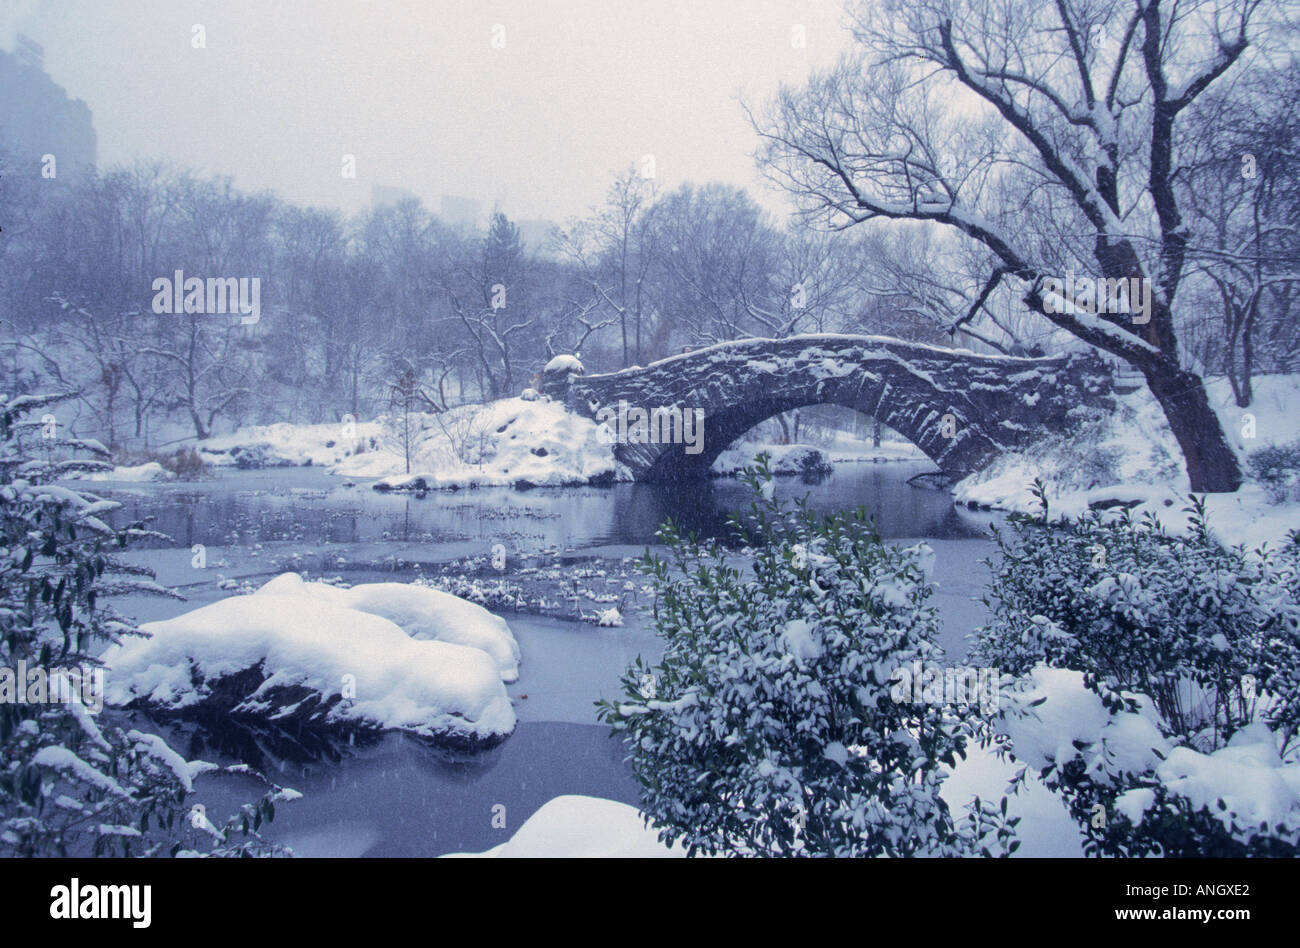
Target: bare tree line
961, 158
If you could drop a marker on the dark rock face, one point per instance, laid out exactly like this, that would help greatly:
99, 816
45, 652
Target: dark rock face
960, 408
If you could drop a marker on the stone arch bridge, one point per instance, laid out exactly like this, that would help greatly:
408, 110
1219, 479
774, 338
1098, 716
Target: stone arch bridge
962, 409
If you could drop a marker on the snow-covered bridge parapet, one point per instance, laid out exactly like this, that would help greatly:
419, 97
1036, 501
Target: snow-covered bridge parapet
962, 409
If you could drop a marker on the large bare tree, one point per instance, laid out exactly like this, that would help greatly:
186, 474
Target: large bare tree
1047, 131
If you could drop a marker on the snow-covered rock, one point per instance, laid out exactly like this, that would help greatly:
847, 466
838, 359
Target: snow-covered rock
421, 612
137, 473
302, 659
573, 826
563, 365
786, 460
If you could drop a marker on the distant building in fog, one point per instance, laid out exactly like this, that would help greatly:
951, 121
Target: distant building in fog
38, 118
536, 235
381, 194
460, 211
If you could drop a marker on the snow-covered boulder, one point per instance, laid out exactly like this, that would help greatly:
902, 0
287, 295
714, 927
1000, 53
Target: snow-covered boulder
785, 460
562, 366
421, 612
302, 660
137, 473
254, 457
529, 395
582, 827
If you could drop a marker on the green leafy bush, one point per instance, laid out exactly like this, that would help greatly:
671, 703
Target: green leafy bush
73, 782
769, 727
1208, 636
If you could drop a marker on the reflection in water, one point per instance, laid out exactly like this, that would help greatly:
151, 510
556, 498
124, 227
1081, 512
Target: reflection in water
238, 511
399, 798
393, 796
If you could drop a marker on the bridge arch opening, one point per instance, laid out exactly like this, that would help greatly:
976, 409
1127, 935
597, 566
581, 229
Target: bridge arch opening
800, 441
726, 426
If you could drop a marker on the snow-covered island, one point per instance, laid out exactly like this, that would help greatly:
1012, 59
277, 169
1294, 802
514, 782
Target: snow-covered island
375, 657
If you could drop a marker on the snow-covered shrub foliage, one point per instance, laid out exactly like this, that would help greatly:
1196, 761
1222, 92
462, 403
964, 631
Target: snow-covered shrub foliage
1201, 639
72, 782
1277, 467
769, 727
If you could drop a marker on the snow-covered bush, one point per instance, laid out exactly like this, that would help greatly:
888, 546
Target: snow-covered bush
1277, 467
1202, 639
73, 782
254, 457
769, 727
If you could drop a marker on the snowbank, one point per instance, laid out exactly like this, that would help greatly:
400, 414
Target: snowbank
421, 612
139, 473
286, 444
298, 658
521, 442
1132, 457
786, 459
510, 442
574, 826
1243, 784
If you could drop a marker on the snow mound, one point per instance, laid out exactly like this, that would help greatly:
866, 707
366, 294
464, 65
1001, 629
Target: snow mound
509, 442
286, 444
1071, 716
1131, 457
421, 612
138, 473
581, 827
564, 365
303, 660
786, 459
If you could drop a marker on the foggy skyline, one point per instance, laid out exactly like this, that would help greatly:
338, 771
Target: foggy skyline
419, 94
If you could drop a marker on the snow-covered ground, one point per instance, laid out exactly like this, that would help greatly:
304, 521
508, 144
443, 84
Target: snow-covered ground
573, 826
846, 449
131, 474
524, 442
1052, 719
1132, 456
510, 442
383, 656
589, 827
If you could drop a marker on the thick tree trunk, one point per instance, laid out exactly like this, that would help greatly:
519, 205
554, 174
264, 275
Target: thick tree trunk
200, 431
1211, 463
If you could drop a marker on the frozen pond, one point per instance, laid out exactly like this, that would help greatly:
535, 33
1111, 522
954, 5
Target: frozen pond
395, 797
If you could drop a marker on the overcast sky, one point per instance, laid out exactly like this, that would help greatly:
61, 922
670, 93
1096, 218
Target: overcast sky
415, 90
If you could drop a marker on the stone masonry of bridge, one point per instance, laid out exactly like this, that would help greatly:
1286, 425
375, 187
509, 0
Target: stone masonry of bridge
961, 408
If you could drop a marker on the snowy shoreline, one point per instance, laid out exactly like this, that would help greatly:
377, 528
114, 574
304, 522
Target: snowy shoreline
1129, 459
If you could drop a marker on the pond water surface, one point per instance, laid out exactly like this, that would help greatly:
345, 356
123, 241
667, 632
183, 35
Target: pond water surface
396, 797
